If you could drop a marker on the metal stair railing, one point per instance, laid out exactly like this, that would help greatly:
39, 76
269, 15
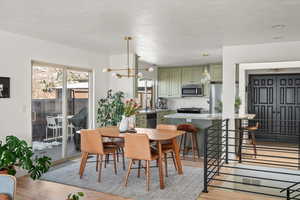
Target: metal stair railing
290, 191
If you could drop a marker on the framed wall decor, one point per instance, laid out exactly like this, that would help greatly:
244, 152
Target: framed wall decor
4, 87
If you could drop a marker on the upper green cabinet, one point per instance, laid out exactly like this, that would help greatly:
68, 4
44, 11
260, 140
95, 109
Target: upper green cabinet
192, 75
216, 72
169, 82
171, 79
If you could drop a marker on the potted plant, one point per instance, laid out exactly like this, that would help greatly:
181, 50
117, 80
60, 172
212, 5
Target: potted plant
110, 109
75, 196
16, 153
130, 109
237, 104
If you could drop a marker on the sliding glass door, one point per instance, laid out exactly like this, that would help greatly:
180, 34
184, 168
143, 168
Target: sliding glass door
77, 107
60, 107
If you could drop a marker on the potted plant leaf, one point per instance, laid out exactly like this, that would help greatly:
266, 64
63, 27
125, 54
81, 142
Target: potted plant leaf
17, 153
75, 196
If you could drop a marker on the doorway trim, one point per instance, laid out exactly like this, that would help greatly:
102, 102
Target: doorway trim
262, 68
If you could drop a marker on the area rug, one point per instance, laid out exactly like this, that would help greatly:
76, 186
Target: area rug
178, 187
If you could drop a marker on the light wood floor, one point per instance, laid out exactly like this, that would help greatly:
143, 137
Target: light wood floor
37, 190
28, 189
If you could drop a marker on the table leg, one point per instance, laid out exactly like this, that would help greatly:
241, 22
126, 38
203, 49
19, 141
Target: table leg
160, 165
177, 155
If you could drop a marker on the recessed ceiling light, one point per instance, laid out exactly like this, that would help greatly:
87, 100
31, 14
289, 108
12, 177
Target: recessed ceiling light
277, 37
205, 54
278, 26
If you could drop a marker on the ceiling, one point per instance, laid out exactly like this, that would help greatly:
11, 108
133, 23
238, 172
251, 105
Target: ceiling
166, 32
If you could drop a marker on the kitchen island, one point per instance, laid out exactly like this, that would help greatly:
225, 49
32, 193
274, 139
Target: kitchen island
203, 121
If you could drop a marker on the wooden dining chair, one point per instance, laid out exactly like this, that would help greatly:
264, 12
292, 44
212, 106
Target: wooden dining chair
167, 146
91, 144
137, 148
118, 142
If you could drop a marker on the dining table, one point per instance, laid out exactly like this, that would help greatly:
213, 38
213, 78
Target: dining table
158, 136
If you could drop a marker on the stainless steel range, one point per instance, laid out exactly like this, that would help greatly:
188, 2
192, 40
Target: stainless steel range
189, 110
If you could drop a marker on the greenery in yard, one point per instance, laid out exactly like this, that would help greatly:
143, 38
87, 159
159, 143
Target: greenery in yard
16, 153
110, 109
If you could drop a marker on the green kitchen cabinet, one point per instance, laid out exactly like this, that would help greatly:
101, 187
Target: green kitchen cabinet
175, 83
192, 75
216, 72
160, 116
163, 82
169, 82
141, 120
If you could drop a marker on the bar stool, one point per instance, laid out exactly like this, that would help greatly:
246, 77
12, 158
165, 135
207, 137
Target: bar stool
192, 131
251, 130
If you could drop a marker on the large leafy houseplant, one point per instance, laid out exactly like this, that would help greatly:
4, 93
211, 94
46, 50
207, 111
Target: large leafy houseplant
110, 109
75, 196
16, 153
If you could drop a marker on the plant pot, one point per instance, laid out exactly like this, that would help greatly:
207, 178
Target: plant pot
124, 124
4, 197
3, 171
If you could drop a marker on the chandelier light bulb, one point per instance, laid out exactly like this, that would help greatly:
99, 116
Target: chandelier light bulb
106, 70
140, 75
116, 75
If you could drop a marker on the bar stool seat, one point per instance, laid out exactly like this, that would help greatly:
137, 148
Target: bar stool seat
192, 130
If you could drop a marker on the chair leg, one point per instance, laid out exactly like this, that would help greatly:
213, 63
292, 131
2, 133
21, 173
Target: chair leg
166, 164
97, 162
193, 146
174, 161
148, 174
253, 143
197, 145
139, 168
118, 151
128, 172
184, 145
123, 159
180, 144
83, 163
115, 163
100, 169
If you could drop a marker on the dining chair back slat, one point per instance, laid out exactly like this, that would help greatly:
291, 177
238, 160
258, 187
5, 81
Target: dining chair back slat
137, 146
91, 142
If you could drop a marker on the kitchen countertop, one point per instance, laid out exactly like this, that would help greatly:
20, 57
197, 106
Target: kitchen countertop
206, 116
152, 111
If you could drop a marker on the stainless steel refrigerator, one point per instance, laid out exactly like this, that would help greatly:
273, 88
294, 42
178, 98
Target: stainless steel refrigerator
215, 97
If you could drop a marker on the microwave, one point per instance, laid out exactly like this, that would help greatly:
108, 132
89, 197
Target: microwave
192, 90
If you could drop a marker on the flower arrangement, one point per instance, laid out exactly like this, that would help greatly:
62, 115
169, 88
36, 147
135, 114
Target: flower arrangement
130, 108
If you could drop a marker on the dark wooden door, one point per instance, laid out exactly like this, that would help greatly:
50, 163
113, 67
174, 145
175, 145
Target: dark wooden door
275, 99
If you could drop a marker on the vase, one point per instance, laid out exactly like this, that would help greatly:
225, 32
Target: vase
131, 123
124, 124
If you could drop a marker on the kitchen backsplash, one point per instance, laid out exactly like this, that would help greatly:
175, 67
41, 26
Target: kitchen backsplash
187, 102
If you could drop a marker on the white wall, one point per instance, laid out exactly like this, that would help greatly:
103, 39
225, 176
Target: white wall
15, 61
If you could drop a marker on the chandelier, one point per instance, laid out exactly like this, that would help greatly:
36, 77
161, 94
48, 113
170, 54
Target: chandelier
130, 71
